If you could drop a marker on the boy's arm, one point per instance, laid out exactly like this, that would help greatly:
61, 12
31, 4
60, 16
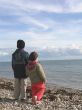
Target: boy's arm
26, 58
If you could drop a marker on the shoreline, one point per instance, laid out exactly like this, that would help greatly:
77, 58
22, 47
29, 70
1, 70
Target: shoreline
49, 84
55, 98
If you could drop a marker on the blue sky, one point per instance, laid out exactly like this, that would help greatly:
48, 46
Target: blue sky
46, 25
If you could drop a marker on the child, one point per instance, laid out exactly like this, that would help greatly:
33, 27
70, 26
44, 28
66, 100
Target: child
37, 77
19, 62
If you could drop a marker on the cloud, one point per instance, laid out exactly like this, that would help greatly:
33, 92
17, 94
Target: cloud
45, 8
55, 6
30, 6
74, 5
41, 23
33, 21
26, 14
53, 52
3, 53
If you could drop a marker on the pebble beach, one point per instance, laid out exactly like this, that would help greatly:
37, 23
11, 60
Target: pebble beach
55, 98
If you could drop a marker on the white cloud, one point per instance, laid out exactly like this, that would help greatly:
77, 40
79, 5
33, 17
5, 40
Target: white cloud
51, 52
41, 6
66, 6
74, 5
31, 20
72, 50
46, 8
3, 53
75, 46
35, 21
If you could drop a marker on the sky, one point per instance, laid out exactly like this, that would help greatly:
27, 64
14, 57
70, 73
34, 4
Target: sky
51, 27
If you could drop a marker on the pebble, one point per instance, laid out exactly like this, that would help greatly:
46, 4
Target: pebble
56, 99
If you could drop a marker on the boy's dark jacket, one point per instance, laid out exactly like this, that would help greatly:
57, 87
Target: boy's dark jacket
19, 69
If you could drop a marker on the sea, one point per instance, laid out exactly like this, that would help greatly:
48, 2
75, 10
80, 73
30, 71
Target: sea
65, 73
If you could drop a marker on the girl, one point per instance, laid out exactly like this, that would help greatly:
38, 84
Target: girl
36, 74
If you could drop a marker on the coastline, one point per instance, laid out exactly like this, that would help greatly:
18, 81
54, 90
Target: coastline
55, 98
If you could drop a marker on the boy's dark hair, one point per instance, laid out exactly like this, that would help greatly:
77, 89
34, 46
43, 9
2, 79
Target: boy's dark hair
20, 44
33, 56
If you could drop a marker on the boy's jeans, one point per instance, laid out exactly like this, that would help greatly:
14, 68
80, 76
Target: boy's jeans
20, 88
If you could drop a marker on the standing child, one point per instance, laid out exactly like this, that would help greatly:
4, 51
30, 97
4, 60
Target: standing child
37, 77
19, 62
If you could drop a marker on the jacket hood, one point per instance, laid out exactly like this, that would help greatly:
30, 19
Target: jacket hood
31, 65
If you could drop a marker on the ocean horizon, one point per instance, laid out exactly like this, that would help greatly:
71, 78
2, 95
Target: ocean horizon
66, 73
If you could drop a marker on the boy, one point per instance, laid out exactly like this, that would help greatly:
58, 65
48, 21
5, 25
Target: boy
19, 61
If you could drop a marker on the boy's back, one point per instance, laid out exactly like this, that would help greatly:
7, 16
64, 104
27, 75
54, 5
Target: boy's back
19, 61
